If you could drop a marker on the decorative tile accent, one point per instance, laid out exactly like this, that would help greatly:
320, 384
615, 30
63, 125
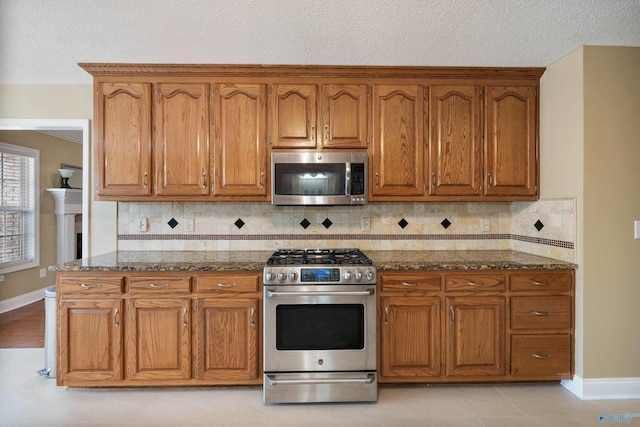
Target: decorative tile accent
327, 223
403, 223
239, 223
538, 225
172, 223
305, 223
445, 223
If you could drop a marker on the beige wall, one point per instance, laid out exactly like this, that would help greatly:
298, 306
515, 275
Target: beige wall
590, 147
562, 138
53, 152
611, 204
63, 102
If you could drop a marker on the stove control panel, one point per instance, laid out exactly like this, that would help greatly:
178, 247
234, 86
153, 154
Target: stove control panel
277, 275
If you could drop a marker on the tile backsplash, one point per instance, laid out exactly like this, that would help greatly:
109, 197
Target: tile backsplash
545, 227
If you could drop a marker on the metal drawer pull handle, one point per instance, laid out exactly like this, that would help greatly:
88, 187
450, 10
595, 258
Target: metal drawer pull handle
536, 283
411, 285
453, 315
271, 294
386, 315
184, 317
153, 285
227, 285
367, 380
541, 313
253, 317
84, 285
481, 284
537, 356
115, 317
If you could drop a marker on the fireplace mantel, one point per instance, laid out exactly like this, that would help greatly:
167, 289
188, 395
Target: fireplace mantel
68, 205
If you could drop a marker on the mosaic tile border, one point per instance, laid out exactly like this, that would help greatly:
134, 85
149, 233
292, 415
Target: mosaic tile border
486, 236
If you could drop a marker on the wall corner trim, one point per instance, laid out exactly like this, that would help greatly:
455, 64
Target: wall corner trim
603, 388
21, 300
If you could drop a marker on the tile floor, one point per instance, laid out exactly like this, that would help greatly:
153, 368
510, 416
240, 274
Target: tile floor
27, 399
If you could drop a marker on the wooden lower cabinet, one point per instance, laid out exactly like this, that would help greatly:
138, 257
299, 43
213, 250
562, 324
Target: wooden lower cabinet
476, 336
410, 337
90, 340
226, 339
152, 329
449, 327
158, 345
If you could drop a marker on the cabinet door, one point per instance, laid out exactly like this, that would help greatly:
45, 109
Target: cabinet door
410, 341
240, 144
158, 342
343, 110
181, 139
455, 144
293, 116
476, 336
90, 340
227, 339
398, 153
123, 139
511, 146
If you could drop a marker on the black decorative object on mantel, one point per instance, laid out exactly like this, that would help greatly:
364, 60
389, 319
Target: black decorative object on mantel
65, 174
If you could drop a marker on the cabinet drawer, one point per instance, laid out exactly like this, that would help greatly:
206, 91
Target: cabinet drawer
541, 355
157, 285
541, 282
411, 282
549, 312
90, 285
220, 283
476, 282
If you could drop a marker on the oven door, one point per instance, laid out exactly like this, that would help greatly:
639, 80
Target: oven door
319, 328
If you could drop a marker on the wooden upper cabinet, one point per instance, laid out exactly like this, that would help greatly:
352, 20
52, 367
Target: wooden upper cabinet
123, 139
343, 116
293, 116
510, 152
455, 156
182, 139
239, 114
398, 145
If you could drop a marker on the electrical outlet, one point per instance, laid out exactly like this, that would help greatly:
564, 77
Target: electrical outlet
636, 228
43, 273
1, 277
365, 223
143, 224
189, 224
484, 224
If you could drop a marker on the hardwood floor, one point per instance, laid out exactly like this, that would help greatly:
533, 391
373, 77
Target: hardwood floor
23, 327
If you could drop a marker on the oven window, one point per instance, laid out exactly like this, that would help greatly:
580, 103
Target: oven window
293, 179
320, 327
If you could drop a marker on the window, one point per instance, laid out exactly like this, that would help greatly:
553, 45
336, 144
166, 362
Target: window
19, 177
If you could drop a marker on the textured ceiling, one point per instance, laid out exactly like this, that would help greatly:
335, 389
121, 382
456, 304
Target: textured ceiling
41, 41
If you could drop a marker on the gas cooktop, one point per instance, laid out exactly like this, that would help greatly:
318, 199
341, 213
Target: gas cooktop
319, 256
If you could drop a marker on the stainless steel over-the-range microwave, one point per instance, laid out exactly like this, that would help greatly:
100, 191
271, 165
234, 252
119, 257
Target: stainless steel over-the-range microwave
318, 178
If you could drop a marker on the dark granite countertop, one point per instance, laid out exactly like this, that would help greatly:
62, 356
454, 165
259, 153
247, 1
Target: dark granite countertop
170, 261
255, 261
463, 260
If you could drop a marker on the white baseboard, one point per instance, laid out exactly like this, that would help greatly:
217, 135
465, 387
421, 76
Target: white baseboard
604, 388
21, 300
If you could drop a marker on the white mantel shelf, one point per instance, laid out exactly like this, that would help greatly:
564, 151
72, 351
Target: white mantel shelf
68, 205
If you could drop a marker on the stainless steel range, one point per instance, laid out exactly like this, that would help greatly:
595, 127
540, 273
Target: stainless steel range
319, 327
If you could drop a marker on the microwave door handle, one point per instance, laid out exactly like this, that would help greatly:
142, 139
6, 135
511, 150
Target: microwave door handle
347, 181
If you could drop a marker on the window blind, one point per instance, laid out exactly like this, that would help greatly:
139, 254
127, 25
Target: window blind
18, 207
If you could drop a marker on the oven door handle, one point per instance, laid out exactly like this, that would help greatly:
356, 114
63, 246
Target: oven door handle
366, 380
272, 294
